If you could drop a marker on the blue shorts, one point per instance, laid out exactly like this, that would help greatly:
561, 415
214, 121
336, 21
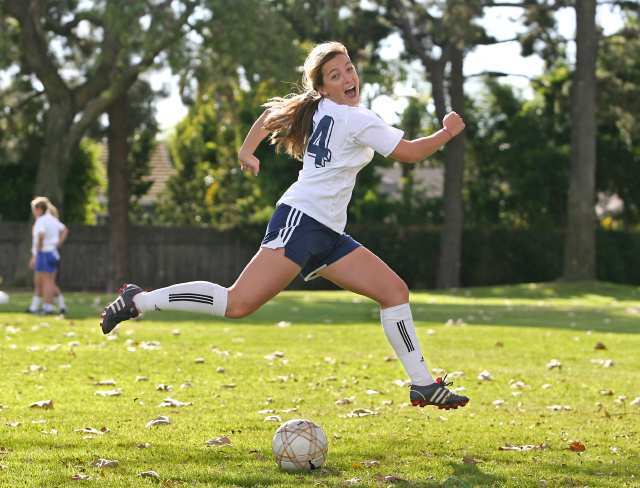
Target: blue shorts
46, 262
308, 243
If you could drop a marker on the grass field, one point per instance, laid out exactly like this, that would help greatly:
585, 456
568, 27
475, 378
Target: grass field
334, 348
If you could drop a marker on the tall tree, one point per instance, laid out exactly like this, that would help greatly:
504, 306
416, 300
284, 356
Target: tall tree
439, 34
90, 70
580, 245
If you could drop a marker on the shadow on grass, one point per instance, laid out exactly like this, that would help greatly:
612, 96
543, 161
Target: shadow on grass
475, 306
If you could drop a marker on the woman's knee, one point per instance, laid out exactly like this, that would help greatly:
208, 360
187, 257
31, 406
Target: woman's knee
238, 308
397, 293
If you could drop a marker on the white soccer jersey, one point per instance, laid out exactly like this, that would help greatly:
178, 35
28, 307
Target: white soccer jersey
51, 227
343, 141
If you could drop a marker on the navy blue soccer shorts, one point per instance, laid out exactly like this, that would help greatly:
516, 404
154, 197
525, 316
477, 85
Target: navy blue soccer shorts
46, 262
308, 243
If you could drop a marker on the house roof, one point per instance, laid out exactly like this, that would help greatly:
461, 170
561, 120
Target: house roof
160, 170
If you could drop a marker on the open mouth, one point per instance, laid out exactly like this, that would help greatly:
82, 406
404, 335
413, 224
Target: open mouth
351, 92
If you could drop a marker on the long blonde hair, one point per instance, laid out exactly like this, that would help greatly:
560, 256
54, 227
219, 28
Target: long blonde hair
44, 204
289, 118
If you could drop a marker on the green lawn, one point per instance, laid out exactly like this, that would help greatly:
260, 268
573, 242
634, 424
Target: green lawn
334, 348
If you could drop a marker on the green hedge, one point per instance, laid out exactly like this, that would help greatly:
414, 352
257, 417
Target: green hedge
497, 256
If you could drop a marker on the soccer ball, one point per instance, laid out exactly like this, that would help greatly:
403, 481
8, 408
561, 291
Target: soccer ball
299, 445
4, 298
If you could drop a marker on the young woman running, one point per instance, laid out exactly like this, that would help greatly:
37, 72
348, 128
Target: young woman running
335, 138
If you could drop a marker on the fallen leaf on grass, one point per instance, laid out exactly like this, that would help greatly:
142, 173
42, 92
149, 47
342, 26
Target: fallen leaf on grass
401, 383
636, 402
273, 418
229, 385
497, 403
519, 385
605, 363
81, 477
219, 441
14, 424
388, 359
389, 478
149, 474
91, 430
150, 345
199, 360
559, 408
361, 412
161, 420
109, 393
577, 446
470, 460
273, 356
141, 378
172, 402
144, 445
370, 463
373, 392
46, 404
485, 376
105, 463
599, 346
606, 392
106, 383
352, 481
220, 370
553, 364
345, 401
163, 387
522, 448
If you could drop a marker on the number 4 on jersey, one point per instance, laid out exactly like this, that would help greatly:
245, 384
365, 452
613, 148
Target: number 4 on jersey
319, 142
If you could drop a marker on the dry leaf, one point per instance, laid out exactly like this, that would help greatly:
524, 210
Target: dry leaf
144, 445
373, 392
220, 369
577, 446
14, 424
499, 344
109, 393
605, 363
150, 345
606, 392
388, 359
161, 420
46, 404
485, 376
345, 401
149, 474
370, 463
402, 383
636, 402
353, 481
361, 412
81, 477
142, 378
519, 385
599, 346
219, 441
559, 408
497, 403
389, 478
273, 418
105, 463
163, 387
229, 385
199, 360
171, 402
106, 383
526, 447
91, 430
553, 364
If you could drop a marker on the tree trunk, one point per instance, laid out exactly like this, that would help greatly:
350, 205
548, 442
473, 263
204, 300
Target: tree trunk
55, 156
451, 235
580, 245
118, 144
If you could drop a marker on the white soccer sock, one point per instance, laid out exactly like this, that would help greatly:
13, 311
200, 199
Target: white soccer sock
194, 296
47, 307
399, 329
35, 303
61, 301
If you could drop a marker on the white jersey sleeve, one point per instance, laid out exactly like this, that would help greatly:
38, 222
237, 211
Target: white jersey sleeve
367, 129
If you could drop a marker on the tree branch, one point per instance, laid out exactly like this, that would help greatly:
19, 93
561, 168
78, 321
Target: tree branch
34, 44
